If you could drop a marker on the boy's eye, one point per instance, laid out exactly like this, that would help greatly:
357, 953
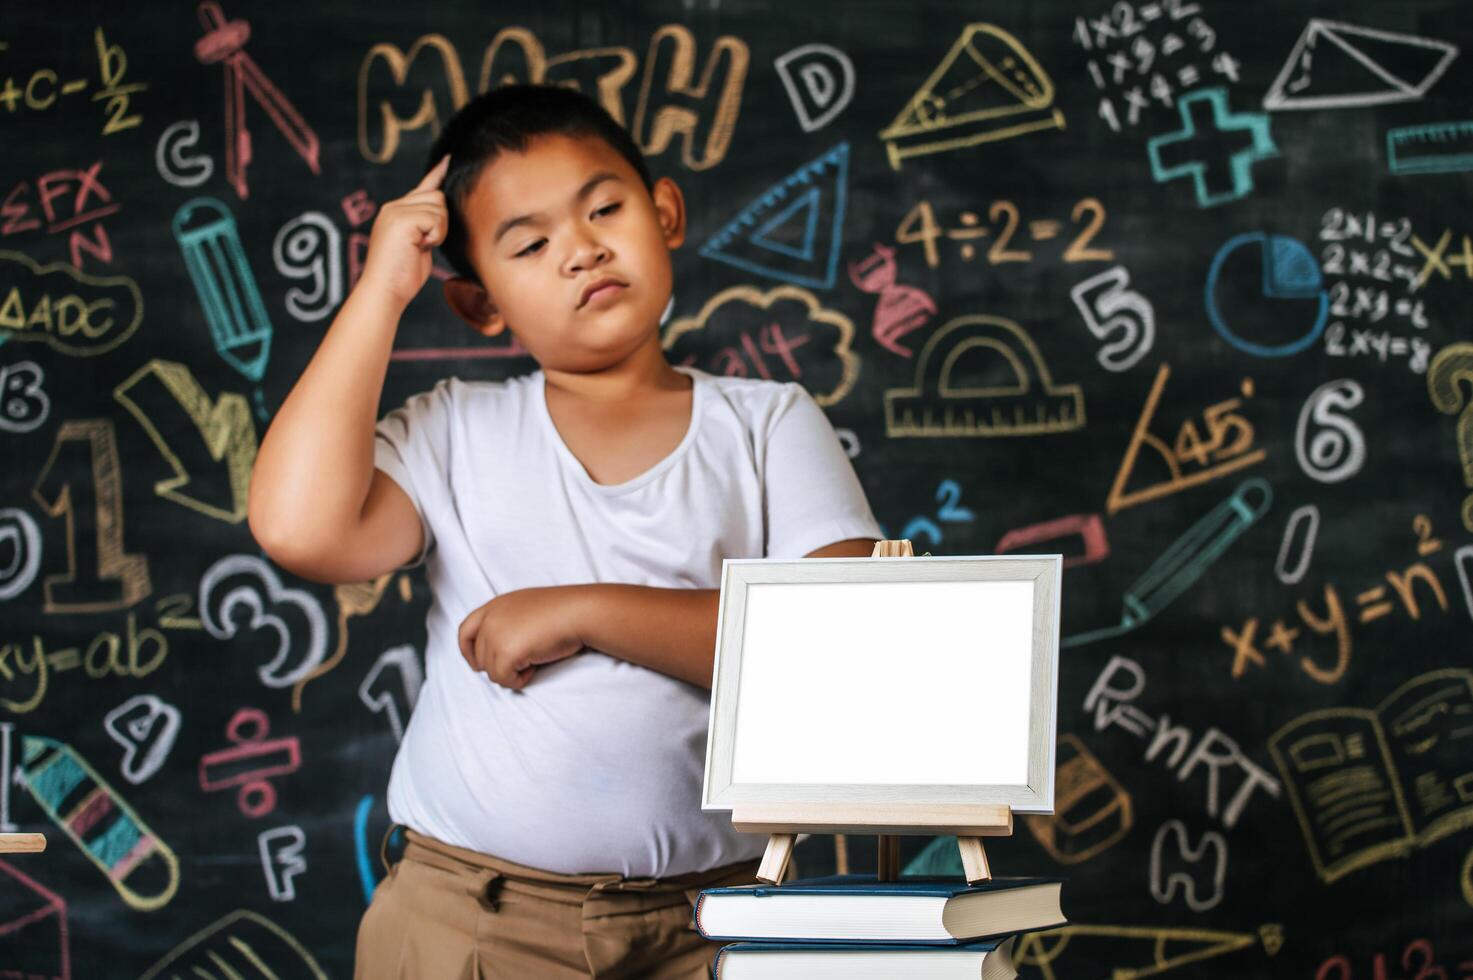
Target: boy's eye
537, 245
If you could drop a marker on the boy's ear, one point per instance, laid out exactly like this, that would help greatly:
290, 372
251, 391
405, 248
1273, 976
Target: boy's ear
472, 303
670, 210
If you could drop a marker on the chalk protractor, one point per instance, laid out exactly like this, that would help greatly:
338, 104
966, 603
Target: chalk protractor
1016, 395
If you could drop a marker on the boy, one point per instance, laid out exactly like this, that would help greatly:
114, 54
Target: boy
573, 523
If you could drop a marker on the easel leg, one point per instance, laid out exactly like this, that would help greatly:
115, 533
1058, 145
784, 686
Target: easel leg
887, 865
974, 860
775, 860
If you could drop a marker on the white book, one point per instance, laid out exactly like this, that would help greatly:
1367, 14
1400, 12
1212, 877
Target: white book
817, 961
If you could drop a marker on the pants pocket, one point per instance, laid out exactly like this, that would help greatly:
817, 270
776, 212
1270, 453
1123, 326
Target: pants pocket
380, 941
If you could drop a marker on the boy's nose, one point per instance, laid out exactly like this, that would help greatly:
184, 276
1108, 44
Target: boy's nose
587, 255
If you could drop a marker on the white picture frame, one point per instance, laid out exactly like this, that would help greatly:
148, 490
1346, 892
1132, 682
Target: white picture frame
797, 718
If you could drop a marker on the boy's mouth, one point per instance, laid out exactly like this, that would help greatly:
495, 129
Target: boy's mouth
601, 289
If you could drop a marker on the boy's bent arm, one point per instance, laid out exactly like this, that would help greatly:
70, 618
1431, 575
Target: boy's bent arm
669, 630
317, 506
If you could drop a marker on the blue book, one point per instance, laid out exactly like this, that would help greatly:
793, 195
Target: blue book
869, 961
859, 909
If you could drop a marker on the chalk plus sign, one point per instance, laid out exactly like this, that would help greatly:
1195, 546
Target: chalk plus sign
1205, 118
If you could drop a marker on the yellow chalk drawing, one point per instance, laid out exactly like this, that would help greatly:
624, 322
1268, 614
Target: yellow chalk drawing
841, 348
1467, 879
1162, 949
426, 113
68, 310
224, 426
356, 599
140, 867
987, 88
726, 67
671, 101
1028, 403
1192, 459
1370, 785
134, 653
1092, 811
528, 59
243, 945
105, 578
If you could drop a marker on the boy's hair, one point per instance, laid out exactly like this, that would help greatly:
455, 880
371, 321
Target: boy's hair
507, 118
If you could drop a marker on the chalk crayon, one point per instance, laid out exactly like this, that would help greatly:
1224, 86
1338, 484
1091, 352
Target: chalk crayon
206, 233
140, 867
1184, 561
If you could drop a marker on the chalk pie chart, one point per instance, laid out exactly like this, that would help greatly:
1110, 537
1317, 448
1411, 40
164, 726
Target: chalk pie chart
1265, 295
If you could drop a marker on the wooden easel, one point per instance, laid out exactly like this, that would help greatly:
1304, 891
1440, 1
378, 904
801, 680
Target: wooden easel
783, 822
22, 843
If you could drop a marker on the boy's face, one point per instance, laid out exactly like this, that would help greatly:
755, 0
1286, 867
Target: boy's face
545, 225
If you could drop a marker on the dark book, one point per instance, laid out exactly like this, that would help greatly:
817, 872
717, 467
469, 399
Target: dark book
859, 908
848, 961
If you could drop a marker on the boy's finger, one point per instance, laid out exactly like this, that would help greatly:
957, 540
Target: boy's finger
467, 637
432, 236
431, 180
424, 195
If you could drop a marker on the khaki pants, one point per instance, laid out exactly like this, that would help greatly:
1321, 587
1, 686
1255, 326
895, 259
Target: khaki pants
444, 913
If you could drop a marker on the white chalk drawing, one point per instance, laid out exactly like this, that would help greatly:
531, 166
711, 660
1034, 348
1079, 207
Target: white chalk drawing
1334, 450
1463, 559
282, 860
820, 82
394, 699
20, 538
1331, 48
1308, 514
1109, 306
24, 405
245, 580
146, 728
173, 165
1198, 872
310, 247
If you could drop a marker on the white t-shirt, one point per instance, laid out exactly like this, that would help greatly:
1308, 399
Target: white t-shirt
596, 765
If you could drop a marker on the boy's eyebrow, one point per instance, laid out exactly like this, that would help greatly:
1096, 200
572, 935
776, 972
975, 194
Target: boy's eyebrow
588, 188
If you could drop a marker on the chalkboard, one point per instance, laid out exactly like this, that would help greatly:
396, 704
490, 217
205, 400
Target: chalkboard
1178, 288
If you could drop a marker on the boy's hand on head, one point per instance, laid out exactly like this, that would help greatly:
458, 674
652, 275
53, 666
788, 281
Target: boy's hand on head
514, 633
401, 248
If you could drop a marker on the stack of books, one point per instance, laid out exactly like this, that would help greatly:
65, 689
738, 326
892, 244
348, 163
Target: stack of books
854, 926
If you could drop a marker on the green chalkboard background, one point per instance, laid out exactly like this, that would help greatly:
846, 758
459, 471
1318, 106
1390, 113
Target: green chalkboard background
1180, 288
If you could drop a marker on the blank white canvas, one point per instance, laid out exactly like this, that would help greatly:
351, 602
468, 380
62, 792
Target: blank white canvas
885, 683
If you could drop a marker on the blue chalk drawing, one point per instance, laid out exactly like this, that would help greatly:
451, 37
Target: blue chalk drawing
808, 204
1181, 143
360, 847
812, 198
1185, 560
1289, 272
206, 232
1433, 148
948, 493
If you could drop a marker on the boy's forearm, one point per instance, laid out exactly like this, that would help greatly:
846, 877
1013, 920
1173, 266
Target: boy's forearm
315, 464
669, 630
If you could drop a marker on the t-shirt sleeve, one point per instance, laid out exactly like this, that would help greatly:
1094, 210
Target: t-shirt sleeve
811, 493
412, 446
